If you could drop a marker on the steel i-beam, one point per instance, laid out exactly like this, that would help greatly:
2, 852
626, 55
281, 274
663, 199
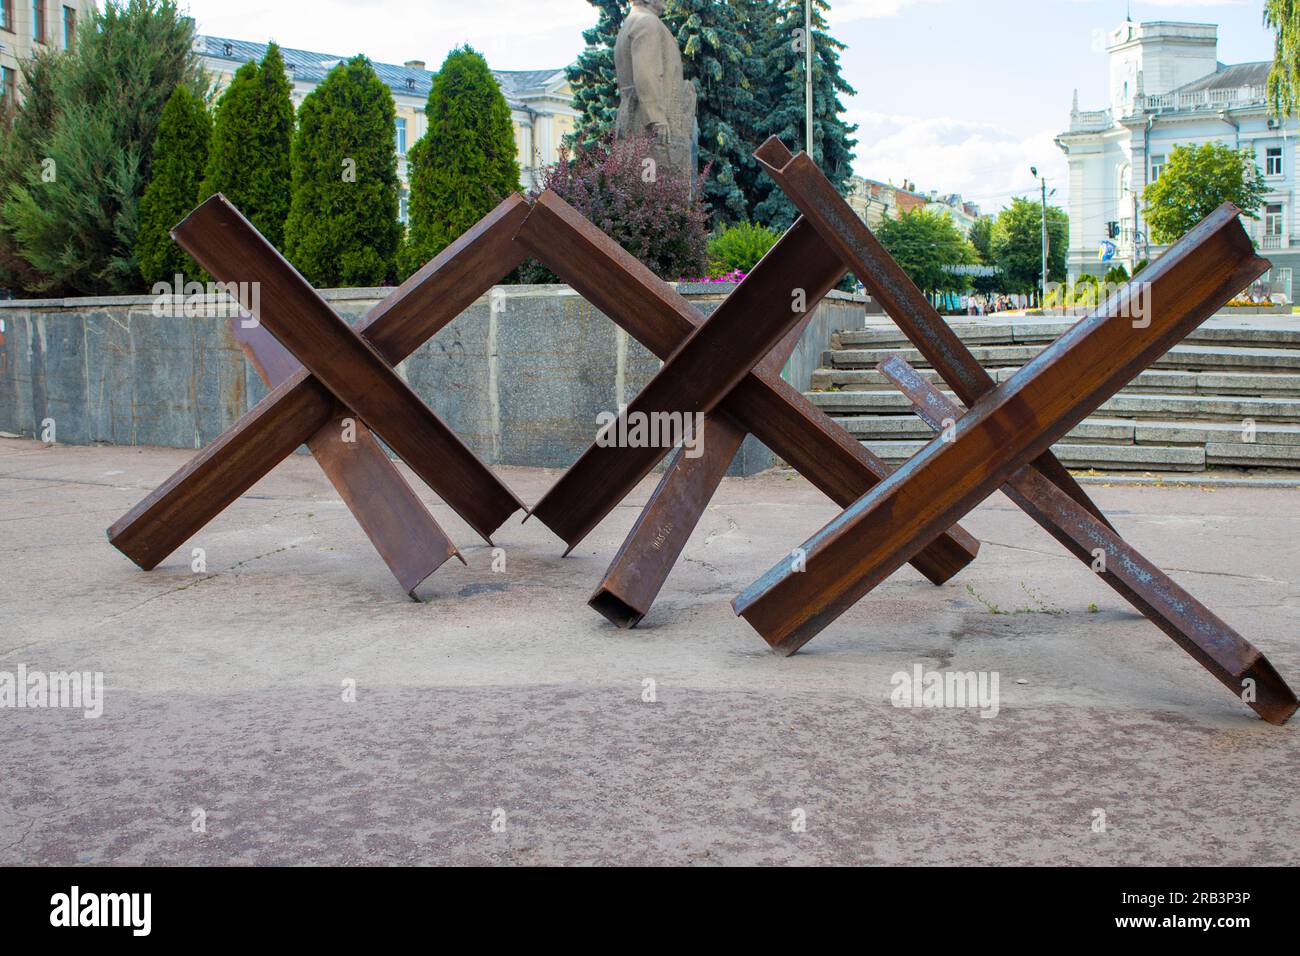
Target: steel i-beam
285, 419
652, 312
1233, 660
407, 537
862, 253
642, 565
1006, 430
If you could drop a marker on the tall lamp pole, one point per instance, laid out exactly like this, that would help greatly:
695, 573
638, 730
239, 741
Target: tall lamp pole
808, 78
1043, 285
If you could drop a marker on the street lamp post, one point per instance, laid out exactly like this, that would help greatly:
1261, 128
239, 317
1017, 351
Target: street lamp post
808, 78
1043, 284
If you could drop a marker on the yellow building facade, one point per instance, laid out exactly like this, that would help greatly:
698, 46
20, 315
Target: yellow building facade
30, 25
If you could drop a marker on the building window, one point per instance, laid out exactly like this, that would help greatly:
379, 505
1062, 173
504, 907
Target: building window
38, 20
8, 84
401, 137
404, 207
1273, 220
69, 27
7, 15
1157, 167
1273, 161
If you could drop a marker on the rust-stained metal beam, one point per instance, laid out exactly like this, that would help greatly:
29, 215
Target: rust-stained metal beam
1234, 661
407, 537
700, 373
228, 246
862, 253
652, 312
642, 565
283, 421
1005, 431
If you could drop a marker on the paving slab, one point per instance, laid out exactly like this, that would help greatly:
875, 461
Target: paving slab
502, 696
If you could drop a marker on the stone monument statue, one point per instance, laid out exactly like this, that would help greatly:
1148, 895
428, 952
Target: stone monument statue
654, 99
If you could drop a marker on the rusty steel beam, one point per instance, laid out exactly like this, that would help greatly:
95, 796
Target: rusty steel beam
1006, 430
228, 246
283, 421
700, 373
407, 537
1218, 648
862, 253
642, 565
652, 312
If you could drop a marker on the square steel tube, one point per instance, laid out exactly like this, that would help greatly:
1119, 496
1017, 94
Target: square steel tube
770, 408
286, 418
1005, 430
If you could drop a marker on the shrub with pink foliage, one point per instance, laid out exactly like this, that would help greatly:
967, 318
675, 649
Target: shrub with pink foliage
648, 211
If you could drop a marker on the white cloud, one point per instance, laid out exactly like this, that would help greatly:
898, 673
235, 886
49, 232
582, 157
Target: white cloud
984, 162
512, 34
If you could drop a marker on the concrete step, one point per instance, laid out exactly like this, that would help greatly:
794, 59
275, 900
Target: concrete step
1158, 381
1106, 457
1184, 357
874, 428
1284, 334
1124, 405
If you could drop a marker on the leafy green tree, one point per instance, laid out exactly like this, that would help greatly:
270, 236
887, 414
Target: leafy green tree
73, 216
924, 243
252, 137
342, 228
981, 238
1018, 244
1195, 182
1284, 78
781, 107
739, 248
594, 81
179, 155
467, 162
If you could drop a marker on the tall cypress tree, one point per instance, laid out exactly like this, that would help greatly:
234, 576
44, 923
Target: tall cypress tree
595, 84
179, 154
342, 228
249, 160
465, 164
783, 113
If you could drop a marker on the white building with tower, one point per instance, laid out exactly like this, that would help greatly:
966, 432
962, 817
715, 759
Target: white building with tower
1167, 89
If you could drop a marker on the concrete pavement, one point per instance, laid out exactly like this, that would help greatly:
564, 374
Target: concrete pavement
226, 736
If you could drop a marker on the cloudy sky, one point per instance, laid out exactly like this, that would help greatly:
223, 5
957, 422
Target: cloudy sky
957, 95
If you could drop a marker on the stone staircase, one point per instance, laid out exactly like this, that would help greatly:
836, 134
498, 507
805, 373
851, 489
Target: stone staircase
1229, 396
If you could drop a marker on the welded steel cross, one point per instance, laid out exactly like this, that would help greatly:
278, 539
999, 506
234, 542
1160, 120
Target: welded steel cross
726, 367
1003, 440
335, 372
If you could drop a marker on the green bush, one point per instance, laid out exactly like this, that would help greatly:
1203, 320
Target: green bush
342, 228
1117, 276
72, 213
179, 155
740, 248
252, 136
466, 163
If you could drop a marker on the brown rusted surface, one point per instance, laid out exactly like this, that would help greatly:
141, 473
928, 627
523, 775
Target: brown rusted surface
643, 564
652, 312
861, 252
407, 537
1218, 648
284, 420
1005, 431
